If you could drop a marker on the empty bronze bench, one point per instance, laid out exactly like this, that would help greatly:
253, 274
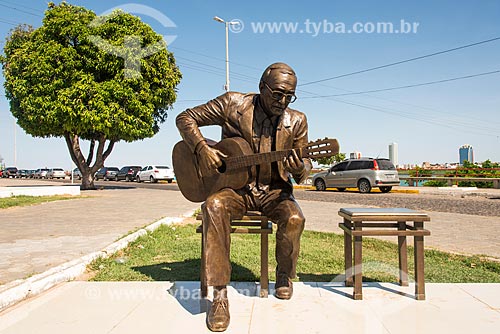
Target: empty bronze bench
253, 222
359, 222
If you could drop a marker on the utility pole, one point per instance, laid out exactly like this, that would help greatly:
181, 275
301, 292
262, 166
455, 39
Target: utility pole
15, 144
227, 24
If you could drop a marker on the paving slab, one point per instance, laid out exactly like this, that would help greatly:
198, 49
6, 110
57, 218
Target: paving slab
171, 307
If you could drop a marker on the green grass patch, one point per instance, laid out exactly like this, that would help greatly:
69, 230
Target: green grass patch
22, 200
172, 253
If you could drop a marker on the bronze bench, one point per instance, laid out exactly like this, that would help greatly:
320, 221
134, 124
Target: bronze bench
253, 222
359, 222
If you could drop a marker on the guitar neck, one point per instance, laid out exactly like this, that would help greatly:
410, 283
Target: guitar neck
257, 159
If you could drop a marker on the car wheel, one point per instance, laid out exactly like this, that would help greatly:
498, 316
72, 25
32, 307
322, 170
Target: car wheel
364, 186
385, 189
320, 185
138, 179
152, 179
169, 181
341, 189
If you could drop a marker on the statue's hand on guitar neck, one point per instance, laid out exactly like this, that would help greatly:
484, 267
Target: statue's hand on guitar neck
209, 159
294, 164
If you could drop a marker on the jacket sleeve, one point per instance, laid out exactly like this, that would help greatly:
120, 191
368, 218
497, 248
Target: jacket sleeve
301, 140
211, 113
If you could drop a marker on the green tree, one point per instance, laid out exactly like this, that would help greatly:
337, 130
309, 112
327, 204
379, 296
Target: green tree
331, 160
83, 77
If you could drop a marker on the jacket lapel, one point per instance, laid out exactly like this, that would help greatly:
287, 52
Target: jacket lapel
245, 120
283, 132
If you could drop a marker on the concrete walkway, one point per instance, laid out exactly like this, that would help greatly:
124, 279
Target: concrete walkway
166, 307
451, 232
37, 238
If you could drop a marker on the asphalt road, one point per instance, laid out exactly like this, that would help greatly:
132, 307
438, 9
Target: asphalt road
479, 203
123, 184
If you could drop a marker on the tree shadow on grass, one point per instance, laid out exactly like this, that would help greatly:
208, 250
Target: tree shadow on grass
189, 270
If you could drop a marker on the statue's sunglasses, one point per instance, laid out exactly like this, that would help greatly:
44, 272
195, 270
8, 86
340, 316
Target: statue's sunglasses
278, 96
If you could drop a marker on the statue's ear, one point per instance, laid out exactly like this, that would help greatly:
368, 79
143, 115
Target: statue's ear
261, 86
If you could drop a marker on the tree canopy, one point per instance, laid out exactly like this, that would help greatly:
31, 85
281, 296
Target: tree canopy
80, 76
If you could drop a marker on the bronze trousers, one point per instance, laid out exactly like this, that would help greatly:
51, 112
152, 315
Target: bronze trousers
220, 208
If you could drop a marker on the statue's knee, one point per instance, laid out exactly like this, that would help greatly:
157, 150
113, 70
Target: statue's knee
296, 222
212, 205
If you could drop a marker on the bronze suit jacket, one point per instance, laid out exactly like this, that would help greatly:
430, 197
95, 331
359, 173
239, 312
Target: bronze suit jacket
234, 113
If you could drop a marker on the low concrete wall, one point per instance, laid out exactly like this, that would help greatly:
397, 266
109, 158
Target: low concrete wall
39, 191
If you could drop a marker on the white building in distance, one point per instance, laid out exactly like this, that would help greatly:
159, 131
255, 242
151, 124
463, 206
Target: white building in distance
393, 153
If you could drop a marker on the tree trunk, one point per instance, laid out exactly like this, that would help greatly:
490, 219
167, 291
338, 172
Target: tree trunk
88, 172
87, 180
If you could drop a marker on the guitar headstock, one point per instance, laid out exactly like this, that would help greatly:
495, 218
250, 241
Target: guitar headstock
321, 148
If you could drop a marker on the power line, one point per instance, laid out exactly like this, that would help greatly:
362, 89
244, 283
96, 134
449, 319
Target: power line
12, 23
406, 86
431, 119
33, 9
494, 132
214, 67
402, 61
19, 10
214, 58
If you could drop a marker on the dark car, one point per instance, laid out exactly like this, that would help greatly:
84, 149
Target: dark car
106, 173
10, 172
127, 173
22, 173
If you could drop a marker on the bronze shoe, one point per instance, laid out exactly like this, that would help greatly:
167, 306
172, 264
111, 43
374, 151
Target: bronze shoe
218, 317
283, 289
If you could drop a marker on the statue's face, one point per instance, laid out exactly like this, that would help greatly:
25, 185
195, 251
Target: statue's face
277, 92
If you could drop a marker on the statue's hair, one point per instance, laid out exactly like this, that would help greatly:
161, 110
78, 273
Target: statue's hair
282, 67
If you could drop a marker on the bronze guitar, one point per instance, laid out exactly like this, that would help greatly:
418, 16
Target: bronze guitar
236, 169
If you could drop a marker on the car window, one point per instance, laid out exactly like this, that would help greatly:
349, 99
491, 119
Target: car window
58, 169
355, 165
385, 164
149, 167
340, 167
162, 167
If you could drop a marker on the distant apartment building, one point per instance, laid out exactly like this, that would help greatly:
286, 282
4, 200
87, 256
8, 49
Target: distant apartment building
393, 153
355, 155
465, 153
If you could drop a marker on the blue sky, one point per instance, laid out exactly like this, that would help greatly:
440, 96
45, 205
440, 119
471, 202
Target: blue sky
428, 122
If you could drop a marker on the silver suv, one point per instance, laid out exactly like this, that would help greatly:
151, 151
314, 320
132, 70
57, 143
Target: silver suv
363, 174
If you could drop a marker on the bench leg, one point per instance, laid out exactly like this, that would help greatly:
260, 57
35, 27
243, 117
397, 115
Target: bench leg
348, 257
419, 264
264, 265
403, 256
358, 264
203, 276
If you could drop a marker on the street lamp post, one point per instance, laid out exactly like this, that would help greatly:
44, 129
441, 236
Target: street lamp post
227, 24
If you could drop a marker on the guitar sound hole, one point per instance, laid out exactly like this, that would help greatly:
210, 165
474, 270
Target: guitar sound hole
222, 168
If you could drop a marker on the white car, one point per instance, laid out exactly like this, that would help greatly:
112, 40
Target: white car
153, 173
55, 173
